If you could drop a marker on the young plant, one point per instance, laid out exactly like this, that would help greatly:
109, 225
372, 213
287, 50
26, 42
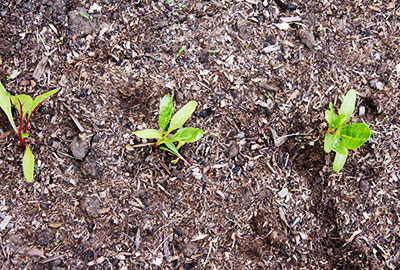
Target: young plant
25, 106
163, 135
341, 138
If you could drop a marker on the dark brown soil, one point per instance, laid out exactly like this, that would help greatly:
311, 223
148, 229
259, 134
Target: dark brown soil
259, 70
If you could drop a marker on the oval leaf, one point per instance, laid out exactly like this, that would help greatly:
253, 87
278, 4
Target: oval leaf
355, 135
339, 148
182, 116
349, 103
187, 134
28, 163
5, 105
328, 142
340, 160
148, 133
166, 108
26, 102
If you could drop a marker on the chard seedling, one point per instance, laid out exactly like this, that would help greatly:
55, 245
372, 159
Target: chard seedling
163, 135
25, 106
341, 138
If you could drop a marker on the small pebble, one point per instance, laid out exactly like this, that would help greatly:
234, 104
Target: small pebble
240, 135
283, 193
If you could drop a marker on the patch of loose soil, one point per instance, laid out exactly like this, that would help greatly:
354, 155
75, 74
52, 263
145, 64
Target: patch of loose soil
260, 193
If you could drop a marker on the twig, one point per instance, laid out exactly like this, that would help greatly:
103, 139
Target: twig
141, 145
52, 259
294, 134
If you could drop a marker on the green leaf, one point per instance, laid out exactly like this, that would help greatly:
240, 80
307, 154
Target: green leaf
148, 133
28, 163
166, 108
182, 116
26, 102
42, 97
328, 142
330, 115
84, 15
5, 105
170, 147
187, 134
340, 120
355, 135
340, 160
24, 135
348, 104
181, 50
338, 147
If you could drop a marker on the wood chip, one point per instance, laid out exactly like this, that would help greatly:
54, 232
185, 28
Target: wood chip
39, 70
5, 222
34, 252
55, 225
199, 237
352, 237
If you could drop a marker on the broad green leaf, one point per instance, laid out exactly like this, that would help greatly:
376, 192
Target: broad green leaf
5, 105
328, 142
42, 97
166, 108
26, 102
349, 103
24, 135
187, 134
340, 120
338, 147
355, 135
28, 163
182, 116
148, 133
339, 161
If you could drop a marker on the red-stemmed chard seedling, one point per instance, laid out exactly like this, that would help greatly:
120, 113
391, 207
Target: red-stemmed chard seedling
25, 106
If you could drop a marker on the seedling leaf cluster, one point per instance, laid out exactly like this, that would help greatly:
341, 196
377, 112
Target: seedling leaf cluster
341, 137
25, 106
163, 135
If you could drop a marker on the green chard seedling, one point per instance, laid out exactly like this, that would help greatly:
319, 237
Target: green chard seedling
163, 135
340, 137
25, 106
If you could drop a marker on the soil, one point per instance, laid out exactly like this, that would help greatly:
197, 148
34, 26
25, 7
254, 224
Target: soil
259, 70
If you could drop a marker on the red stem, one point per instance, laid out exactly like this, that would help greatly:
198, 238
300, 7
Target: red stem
185, 161
21, 119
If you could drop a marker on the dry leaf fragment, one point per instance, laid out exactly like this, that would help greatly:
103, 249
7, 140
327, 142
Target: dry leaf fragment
129, 147
35, 252
103, 210
199, 237
271, 48
282, 26
55, 225
39, 70
290, 19
14, 74
5, 134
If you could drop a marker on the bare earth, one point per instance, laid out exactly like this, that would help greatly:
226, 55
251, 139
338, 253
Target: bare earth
260, 193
